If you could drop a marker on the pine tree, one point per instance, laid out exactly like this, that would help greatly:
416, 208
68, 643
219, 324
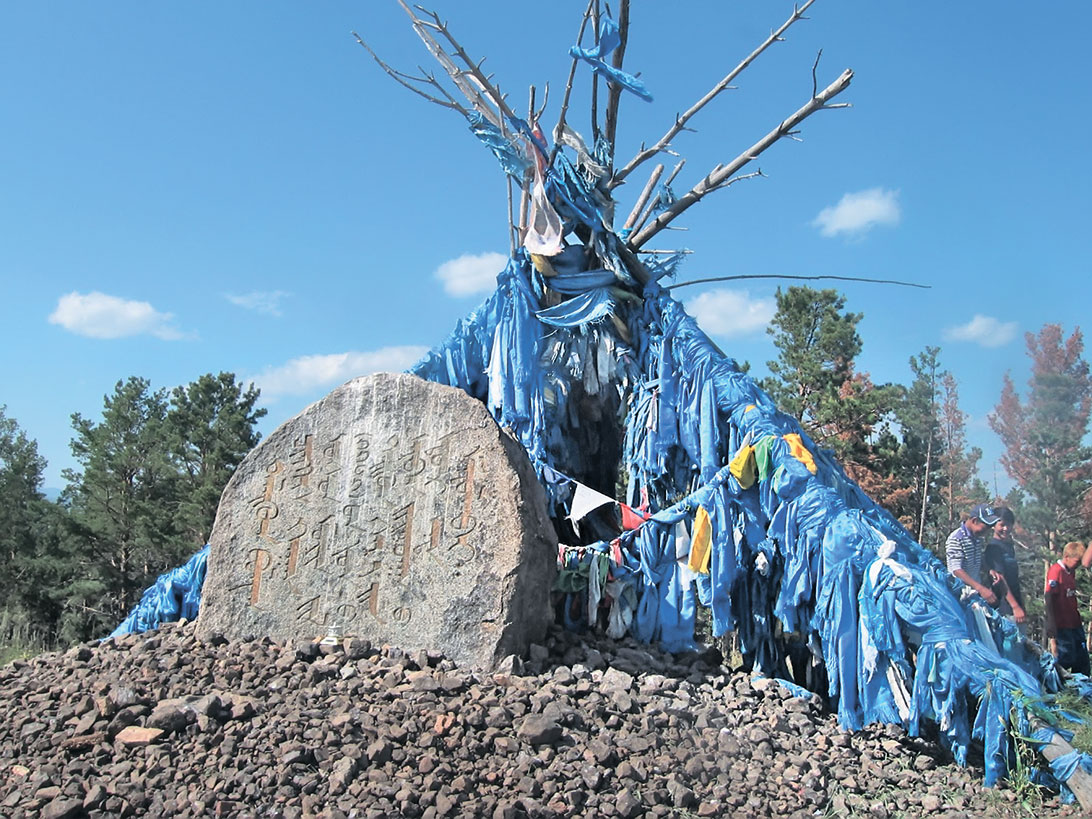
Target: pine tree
817, 344
815, 379
1043, 436
917, 416
21, 469
26, 610
211, 428
123, 505
957, 464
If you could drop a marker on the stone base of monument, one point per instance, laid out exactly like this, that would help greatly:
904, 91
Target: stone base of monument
394, 510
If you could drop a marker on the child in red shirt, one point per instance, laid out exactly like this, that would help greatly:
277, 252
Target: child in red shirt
1064, 631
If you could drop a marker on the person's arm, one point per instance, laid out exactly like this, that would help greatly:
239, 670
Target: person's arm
985, 591
1018, 613
1050, 626
1086, 558
953, 549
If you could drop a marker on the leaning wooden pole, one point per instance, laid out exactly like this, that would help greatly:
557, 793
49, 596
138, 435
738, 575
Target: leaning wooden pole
723, 174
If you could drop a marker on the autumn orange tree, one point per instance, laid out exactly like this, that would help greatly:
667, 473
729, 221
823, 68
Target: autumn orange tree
1043, 434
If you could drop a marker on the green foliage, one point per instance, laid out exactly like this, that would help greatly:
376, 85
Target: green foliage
957, 462
21, 469
152, 471
934, 462
143, 499
1069, 701
817, 344
815, 379
920, 444
210, 427
1029, 796
29, 525
123, 501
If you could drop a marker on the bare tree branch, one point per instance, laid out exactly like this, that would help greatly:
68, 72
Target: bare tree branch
734, 179
681, 120
406, 81
537, 115
560, 127
718, 176
474, 84
804, 278
675, 171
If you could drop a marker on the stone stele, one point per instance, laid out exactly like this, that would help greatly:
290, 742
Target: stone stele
394, 510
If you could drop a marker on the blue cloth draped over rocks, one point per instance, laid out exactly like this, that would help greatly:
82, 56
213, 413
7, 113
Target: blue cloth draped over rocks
176, 594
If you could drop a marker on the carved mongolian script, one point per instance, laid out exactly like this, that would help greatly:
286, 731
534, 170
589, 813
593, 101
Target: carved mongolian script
393, 509
321, 516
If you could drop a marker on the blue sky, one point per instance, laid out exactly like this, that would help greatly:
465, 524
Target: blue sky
195, 187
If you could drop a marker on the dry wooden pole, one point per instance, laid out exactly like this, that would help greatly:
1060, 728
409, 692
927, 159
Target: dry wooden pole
560, 127
512, 237
525, 191
614, 90
681, 120
723, 174
1080, 782
595, 83
639, 205
651, 206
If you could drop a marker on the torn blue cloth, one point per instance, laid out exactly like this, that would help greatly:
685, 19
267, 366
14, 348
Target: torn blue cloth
508, 152
1063, 767
582, 282
578, 311
609, 39
665, 266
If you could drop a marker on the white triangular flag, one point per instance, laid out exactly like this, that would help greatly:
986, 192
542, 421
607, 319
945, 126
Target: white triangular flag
585, 500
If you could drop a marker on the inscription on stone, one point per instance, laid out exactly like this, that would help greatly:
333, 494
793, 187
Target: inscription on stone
393, 509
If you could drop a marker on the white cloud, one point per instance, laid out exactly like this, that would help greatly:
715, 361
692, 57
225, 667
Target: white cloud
731, 313
859, 212
97, 315
470, 274
260, 301
309, 372
985, 331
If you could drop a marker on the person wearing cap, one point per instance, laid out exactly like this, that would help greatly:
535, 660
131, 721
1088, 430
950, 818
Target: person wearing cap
964, 549
1000, 558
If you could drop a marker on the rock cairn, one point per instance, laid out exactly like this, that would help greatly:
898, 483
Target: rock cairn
166, 724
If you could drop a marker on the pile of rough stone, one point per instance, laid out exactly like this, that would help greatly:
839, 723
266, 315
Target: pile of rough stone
164, 724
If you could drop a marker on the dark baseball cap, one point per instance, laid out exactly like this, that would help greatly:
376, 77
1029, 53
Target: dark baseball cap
986, 514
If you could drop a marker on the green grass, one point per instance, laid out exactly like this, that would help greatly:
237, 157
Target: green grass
1029, 796
15, 652
18, 641
1070, 701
